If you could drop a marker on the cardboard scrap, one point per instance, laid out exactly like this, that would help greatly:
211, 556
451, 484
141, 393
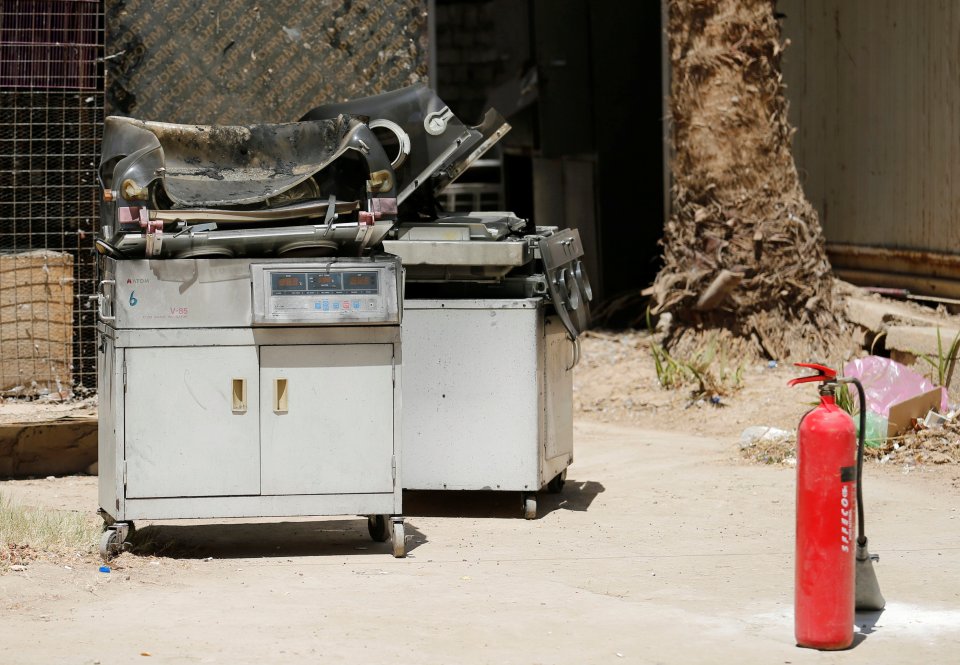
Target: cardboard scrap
901, 413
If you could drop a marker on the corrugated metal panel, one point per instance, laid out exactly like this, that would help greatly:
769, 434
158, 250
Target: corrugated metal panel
874, 88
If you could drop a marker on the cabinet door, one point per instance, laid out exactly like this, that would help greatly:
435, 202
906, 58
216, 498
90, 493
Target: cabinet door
327, 419
186, 431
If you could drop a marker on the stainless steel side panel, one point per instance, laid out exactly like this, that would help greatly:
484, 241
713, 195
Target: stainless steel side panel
558, 362
181, 293
217, 337
109, 378
472, 394
459, 253
219, 507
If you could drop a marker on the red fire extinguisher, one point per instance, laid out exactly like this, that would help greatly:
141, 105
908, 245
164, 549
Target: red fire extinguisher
829, 465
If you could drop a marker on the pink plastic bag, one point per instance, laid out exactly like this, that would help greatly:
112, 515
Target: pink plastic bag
887, 382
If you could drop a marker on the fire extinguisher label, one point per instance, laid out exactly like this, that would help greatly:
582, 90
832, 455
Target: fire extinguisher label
846, 519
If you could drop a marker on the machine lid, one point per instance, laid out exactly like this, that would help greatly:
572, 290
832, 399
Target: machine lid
439, 146
214, 165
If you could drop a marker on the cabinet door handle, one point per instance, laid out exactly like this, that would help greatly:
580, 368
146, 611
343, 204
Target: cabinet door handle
280, 395
239, 395
101, 297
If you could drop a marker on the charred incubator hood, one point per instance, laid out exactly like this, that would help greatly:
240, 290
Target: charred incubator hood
348, 179
253, 304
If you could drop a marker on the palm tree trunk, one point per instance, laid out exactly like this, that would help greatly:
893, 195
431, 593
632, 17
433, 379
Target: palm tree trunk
743, 250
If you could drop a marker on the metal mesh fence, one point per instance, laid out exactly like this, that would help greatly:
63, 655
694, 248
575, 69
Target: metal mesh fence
51, 119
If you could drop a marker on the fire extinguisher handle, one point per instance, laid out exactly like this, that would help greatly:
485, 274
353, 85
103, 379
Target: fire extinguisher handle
824, 373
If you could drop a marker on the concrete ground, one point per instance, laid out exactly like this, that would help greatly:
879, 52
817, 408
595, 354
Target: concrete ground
662, 548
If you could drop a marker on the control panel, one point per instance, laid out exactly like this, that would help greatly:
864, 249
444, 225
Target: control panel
331, 292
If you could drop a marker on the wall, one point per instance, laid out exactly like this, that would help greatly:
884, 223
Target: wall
51, 117
874, 87
468, 55
241, 61
580, 82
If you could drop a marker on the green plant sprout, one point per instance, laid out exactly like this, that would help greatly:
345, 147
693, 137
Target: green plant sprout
944, 363
709, 368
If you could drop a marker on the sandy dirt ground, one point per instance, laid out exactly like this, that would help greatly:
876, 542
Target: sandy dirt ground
17, 411
662, 548
666, 546
616, 382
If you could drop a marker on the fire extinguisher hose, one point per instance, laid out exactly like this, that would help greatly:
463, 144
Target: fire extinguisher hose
868, 597
861, 439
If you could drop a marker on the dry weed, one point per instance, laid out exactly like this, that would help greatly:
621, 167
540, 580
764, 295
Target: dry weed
27, 532
929, 446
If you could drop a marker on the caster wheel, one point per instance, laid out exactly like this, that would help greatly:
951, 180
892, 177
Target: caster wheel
555, 486
399, 541
377, 526
530, 506
110, 544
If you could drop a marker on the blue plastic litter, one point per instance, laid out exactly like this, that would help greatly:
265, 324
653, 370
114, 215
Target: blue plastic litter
772, 364
715, 399
104, 569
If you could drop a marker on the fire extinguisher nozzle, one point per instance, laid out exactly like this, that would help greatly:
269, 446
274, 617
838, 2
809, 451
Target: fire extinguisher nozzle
868, 596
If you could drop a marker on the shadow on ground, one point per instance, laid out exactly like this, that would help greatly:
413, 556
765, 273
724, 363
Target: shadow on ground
576, 495
866, 622
327, 537
265, 539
